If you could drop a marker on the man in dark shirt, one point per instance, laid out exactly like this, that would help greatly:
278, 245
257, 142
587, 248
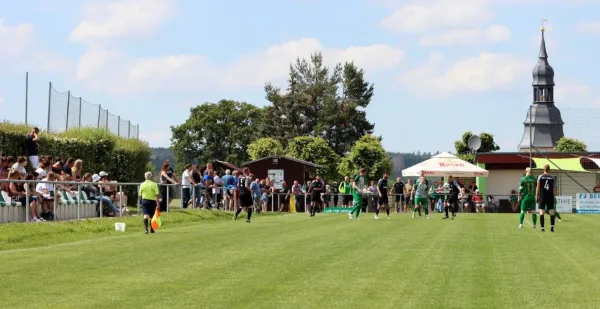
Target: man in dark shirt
68, 166
33, 148
545, 194
246, 201
452, 202
382, 190
398, 193
316, 187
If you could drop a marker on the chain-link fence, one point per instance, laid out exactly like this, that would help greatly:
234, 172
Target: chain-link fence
66, 111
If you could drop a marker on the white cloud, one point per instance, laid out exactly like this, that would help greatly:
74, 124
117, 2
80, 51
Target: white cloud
15, 39
108, 70
590, 27
157, 139
574, 94
485, 72
421, 16
118, 19
493, 34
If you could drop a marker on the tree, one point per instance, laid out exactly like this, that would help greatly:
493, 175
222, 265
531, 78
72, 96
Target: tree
367, 153
216, 131
462, 146
315, 150
264, 147
566, 144
320, 102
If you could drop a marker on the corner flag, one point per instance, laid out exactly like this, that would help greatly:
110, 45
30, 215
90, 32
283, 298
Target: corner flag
156, 220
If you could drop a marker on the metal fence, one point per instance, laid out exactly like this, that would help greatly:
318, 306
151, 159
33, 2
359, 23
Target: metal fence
66, 111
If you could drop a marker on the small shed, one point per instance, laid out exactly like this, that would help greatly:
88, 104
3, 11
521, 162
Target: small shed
284, 168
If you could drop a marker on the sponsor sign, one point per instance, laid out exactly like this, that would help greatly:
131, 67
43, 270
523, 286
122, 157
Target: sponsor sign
339, 210
276, 177
587, 203
564, 204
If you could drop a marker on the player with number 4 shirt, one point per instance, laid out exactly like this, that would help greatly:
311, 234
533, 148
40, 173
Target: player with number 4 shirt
545, 195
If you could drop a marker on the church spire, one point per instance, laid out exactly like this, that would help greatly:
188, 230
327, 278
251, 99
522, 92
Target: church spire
543, 53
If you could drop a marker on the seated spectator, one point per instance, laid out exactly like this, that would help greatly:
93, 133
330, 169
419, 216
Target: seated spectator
32, 177
77, 170
48, 193
514, 200
463, 197
111, 191
19, 166
18, 194
93, 193
478, 201
57, 167
4, 168
43, 168
68, 166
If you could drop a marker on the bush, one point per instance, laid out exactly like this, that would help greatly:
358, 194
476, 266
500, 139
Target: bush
124, 159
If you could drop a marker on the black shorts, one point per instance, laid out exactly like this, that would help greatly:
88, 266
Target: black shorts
148, 207
400, 197
546, 203
452, 199
347, 199
246, 200
315, 197
383, 199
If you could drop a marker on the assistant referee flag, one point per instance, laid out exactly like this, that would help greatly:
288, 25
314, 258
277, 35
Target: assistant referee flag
156, 220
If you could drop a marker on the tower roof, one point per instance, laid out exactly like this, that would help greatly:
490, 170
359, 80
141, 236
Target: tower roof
543, 73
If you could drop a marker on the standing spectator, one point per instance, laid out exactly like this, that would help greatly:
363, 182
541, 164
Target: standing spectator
345, 189
208, 180
218, 188
186, 181
256, 193
19, 166
335, 192
167, 177
283, 196
68, 167
514, 200
150, 199
374, 198
298, 195
229, 187
408, 188
33, 147
196, 181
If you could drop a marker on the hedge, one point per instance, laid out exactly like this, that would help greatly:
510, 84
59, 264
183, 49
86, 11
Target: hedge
124, 159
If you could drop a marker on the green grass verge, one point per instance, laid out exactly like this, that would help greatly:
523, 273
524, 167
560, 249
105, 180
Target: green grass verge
475, 261
27, 235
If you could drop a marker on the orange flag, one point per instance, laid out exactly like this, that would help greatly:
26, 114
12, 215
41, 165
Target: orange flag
156, 220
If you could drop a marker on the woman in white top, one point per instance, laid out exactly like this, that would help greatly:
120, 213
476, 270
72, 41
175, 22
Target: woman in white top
19, 166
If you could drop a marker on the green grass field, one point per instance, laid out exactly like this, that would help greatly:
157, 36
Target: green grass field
204, 260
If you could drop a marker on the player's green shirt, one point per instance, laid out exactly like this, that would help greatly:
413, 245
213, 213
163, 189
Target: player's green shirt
360, 183
527, 187
421, 189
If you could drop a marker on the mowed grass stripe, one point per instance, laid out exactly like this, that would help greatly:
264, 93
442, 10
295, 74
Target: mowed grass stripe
295, 261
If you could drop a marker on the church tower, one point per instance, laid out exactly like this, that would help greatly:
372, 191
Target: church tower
544, 124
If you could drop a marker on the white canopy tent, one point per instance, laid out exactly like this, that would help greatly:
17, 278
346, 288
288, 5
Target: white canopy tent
445, 164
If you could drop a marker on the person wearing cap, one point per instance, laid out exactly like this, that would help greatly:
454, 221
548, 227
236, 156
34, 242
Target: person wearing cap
93, 192
527, 187
359, 188
478, 201
150, 199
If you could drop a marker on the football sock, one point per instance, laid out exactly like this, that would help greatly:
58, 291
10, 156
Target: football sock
377, 212
426, 210
446, 210
237, 212
387, 211
419, 210
522, 217
552, 220
534, 218
146, 224
542, 221
249, 213
557, 215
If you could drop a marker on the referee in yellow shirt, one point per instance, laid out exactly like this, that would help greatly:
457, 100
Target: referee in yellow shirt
150, 198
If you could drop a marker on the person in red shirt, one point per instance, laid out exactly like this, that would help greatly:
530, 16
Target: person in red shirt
478, 201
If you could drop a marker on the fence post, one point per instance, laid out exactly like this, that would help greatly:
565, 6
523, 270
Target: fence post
138, 131
119, 126
68, 106
27, 201
80, 112
167, 201
49, 100
139, 199
106, 127
26, 95
129, 129
120, 200
99, 112
78, 199
100, 208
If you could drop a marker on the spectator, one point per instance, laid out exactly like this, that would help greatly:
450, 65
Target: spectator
374, 195
283, 196
19, 166
514, 200
597, 187
197, 180
93, 194
167, 177
43, 168
463, 197
17, 193
298, 195
57, 167
229, 187
77, 170
33, 176
256, 192
68, 166
46, 189
345, 189
111, 191
218, 188
33, 147
478, 201
3, 168
208, 183
408, 188
335, 192
186, 181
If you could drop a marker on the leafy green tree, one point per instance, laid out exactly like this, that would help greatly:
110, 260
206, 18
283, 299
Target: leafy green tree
264, 147
315, 150
320, 102
566, 144
368, 152
462, 146
216, 131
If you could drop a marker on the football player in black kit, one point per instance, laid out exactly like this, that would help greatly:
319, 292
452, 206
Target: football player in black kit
246, 200
382, 186
398, 193
452, 201
316, 188
545, 194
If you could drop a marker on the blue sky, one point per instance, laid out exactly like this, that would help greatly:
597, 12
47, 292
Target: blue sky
443, 67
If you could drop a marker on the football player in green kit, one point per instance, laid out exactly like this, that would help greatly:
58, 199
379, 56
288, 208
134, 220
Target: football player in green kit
419, 194
358, 188
527, 201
